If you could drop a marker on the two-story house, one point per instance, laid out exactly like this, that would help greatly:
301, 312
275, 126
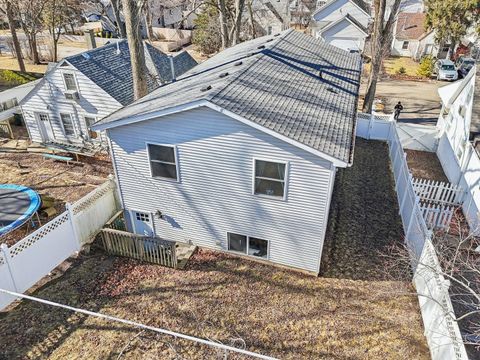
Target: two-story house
240, 153
84, 88
342, 23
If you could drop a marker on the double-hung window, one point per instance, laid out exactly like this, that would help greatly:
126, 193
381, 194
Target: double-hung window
67, 123
248, 245
269, 178
70, 83
163, 161
89, 121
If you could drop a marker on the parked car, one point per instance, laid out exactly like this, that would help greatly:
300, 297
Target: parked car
445, 70
464, 64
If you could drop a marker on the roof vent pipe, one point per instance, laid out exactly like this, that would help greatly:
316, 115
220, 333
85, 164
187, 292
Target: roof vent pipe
172, 67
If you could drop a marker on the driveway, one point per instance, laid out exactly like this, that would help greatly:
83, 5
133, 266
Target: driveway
420, 99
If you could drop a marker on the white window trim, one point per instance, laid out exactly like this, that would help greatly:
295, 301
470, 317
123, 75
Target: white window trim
74, 79
84, 116
285, 181
248, 246
133, 220
177, 165
75, 133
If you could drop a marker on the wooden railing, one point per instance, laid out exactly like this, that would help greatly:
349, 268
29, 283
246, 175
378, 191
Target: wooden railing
6, 129
117, 222
150, 249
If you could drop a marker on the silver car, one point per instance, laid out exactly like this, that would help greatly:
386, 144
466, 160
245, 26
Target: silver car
445, 70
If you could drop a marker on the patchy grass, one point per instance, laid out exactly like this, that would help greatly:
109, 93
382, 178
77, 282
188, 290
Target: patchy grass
364, 218
425, 165
275, 311
392, 66
272, 310
10, 63
65, 183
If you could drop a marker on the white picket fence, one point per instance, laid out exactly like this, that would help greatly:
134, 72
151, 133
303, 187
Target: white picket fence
438, 201
437, 216
441, 330
30, 259
438, 191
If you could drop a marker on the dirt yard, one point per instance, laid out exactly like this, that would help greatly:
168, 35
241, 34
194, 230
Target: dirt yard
64, 183
271, 310
425, 165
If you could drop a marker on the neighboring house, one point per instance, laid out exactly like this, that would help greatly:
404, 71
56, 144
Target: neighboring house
458, 121
343, 23
269, 16
240, 154
84, 88
301, 12
9, 99
412, 39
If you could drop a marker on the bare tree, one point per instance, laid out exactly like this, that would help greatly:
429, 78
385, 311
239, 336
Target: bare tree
6, 7
116, 7
57, 14
380, 46
30, 15
132, 10
148, 20
458, 263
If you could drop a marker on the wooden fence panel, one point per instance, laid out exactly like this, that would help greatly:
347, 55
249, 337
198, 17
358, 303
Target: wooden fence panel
154, 250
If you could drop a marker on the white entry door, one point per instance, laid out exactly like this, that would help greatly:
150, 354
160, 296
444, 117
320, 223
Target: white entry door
45, 127
142, 223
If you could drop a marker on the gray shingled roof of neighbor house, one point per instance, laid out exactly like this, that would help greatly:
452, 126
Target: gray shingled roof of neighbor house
110, 68
289, 83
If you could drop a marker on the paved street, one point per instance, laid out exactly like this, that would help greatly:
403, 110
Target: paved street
420, 99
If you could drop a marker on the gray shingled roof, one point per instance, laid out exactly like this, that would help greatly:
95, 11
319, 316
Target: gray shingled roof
112, 71
274, 82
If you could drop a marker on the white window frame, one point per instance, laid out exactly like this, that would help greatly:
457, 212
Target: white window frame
75, 134
85, 116
74, 79
285, 180
248, 246
177, 165
133, 219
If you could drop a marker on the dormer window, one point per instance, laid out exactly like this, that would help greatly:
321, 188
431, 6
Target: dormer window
70, 83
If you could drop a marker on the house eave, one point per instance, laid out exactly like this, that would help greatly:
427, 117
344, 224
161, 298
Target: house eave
205, 103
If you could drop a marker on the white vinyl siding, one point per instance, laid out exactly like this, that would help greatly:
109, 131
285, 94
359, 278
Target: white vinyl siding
338, 9
214, 194
49, 98
345, 35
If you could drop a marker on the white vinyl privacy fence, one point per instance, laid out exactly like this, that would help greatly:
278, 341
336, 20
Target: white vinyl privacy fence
441, 330
29, 260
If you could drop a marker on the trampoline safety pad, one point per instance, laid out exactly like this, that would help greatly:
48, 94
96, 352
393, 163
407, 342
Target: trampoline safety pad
17, 205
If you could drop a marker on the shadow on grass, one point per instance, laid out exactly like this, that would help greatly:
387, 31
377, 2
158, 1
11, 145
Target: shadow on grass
364, 216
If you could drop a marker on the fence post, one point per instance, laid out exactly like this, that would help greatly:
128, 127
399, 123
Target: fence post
6, 255
71, 219
409, 179
370, 125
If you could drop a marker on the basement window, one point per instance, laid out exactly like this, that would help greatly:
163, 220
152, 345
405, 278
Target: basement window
163, 161
405, 45
248, 245
269, 178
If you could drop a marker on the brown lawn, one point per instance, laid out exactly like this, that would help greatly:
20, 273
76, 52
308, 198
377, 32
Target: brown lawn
351, 314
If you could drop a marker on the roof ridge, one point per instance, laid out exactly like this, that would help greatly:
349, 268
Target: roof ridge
281, 36
103, 47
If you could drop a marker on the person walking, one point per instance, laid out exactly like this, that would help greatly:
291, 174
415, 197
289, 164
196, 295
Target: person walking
398, 108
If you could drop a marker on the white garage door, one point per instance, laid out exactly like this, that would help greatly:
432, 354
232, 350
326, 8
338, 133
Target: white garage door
344, 43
